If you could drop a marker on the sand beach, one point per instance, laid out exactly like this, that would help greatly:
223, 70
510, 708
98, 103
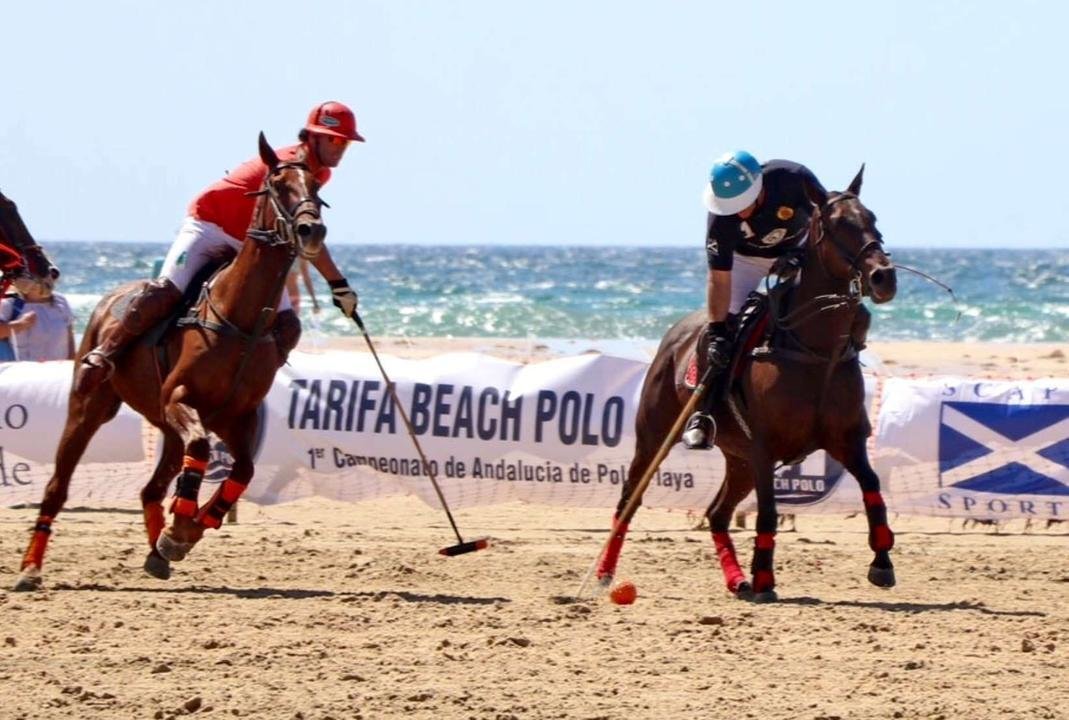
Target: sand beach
319, 609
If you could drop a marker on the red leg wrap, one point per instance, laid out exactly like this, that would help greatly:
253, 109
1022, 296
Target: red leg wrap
35, 553
872, 498
154, 522
881, 538
763, 581
763, 577
729, 561
607, 566
880, 535
212, 514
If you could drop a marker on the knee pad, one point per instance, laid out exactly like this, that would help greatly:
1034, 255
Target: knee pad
287, 332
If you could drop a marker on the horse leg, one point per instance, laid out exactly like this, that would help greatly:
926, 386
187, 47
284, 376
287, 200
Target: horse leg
762, 566
85, 414
152, 501
854, 457
239, 438
175, 542
738, 481
652, 423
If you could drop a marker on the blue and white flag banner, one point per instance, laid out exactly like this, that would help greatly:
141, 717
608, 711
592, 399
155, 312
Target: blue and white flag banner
559, 432
975, 448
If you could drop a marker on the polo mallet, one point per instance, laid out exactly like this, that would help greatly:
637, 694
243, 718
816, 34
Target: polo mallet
461, 547
636, 494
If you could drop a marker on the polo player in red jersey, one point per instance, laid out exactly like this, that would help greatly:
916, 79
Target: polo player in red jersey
218, 218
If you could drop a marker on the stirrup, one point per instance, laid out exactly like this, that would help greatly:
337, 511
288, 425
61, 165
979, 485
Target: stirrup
700, 432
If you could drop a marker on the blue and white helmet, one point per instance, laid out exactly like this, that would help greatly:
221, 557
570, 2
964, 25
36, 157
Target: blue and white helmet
734, 183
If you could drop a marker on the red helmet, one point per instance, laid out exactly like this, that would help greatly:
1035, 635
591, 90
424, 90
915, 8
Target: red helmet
333, 118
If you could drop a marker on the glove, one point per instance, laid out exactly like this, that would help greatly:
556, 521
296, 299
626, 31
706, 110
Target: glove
718, 353
344, 297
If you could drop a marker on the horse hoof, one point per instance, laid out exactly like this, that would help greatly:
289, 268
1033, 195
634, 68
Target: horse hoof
172, 550
744, 591
766, 596
29, 580
158, 566
882, 577
605, 581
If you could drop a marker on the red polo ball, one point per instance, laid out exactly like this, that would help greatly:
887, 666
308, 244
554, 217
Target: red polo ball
624, 593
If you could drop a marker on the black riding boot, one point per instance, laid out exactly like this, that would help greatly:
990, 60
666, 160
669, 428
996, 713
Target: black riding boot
147, 308
700, 432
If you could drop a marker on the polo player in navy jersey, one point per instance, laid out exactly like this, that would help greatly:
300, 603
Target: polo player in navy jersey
757, 213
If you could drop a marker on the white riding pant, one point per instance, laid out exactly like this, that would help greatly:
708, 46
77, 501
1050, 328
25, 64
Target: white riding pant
747, 274
197, 243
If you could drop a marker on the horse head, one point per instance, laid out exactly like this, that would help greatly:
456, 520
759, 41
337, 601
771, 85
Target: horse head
290, 209
848, 244
22, 261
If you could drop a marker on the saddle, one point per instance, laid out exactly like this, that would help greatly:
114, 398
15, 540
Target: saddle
749, 331
185, 307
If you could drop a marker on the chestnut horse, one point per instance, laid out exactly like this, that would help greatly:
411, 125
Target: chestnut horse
22, 261
800, 393
210, 376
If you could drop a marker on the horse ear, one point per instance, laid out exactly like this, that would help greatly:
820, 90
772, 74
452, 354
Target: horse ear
266, 153
814, 192
855, 184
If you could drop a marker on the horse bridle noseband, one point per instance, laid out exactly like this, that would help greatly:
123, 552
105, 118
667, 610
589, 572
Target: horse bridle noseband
285, 231
790, 320
875, 243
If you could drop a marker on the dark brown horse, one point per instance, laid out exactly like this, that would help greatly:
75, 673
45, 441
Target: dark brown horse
802, 393
212, 376
22, 260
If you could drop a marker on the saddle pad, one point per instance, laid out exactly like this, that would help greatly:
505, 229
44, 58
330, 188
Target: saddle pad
748, 339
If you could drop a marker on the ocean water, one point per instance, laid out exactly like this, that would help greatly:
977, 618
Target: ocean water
616, 293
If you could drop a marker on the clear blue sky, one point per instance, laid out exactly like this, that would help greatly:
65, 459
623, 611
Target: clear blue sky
541, 123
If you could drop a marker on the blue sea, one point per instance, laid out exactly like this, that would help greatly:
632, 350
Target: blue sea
618, 293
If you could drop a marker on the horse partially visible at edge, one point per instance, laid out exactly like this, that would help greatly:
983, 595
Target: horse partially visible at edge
802, 391
22, 260
208, 374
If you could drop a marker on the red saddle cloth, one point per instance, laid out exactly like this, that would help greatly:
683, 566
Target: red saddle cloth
750, 338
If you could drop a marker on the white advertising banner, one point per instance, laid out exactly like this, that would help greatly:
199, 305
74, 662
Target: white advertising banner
980, 449
558, 432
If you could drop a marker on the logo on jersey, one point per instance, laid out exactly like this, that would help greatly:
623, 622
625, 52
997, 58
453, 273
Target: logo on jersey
785, 212
774, 237
1002, 448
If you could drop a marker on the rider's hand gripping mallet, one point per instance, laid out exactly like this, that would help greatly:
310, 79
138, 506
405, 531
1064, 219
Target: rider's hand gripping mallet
461, 547
636, 494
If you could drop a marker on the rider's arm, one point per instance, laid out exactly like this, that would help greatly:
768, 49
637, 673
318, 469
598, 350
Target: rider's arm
719, 252
324, 263
718, 294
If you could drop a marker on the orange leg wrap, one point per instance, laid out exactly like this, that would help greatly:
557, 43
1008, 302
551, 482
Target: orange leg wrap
184, 507
154, 522
212, 514
192, 463
35, 553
